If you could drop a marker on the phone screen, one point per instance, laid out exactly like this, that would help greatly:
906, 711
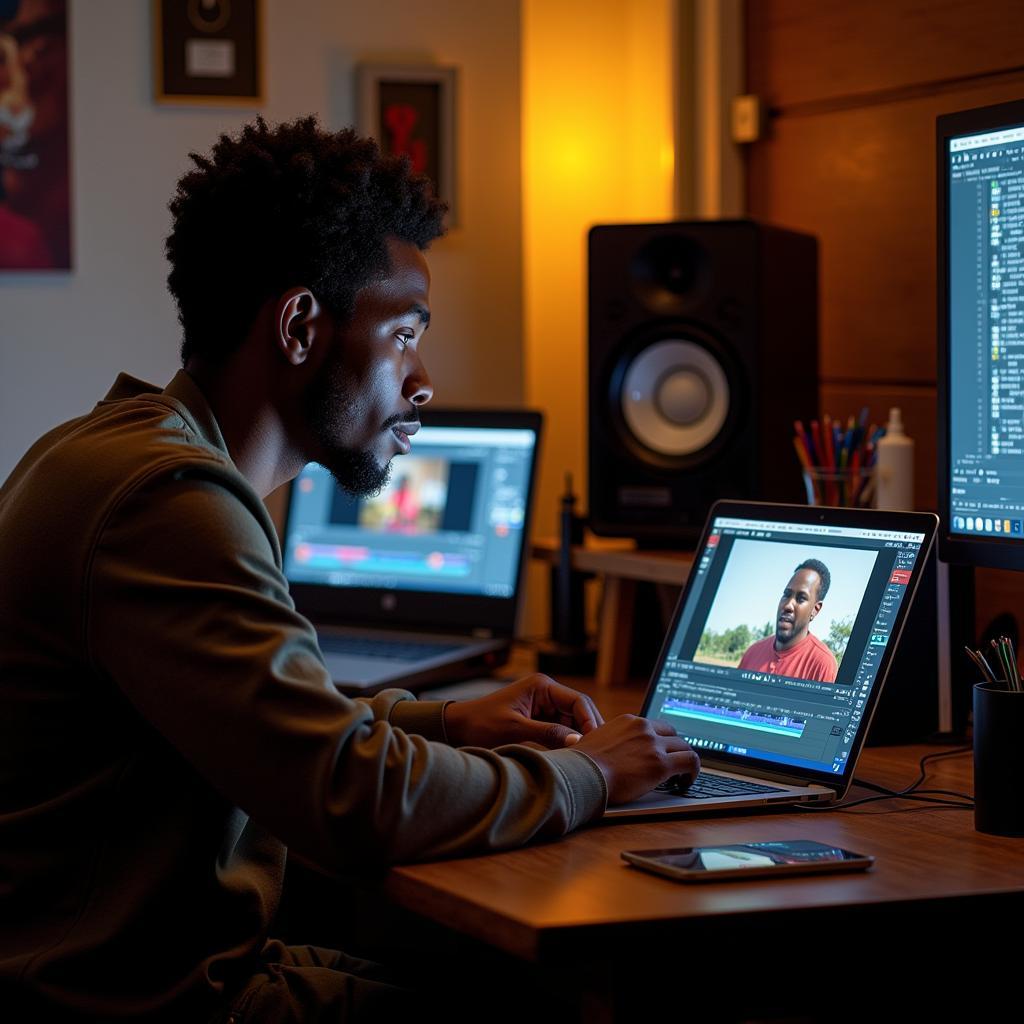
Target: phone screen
792, 856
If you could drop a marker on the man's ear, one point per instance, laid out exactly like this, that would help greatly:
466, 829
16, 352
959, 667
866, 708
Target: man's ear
298, 322
817, 608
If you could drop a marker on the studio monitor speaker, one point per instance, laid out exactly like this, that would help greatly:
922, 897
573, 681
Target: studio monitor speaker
703, 349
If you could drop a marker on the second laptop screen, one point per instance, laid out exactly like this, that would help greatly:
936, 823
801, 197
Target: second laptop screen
452, 518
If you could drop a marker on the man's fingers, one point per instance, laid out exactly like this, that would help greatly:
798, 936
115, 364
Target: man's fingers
549, 734
684, 762
674, 744
663, 728
575, 706
586, 714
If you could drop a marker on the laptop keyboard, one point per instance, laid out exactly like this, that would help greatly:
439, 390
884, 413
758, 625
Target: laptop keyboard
707, 786
380, 647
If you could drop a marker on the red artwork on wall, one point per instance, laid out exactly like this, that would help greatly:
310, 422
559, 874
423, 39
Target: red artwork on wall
35, 205
410, 111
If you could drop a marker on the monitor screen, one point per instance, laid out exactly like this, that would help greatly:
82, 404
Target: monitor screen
777, 647
451, 519
982, 322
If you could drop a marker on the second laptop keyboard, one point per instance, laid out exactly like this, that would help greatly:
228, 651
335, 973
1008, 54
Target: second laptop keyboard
380, 647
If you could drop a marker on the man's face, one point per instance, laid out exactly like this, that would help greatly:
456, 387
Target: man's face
364, 401
798, 606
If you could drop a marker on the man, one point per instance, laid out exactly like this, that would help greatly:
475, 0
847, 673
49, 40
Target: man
794, 651
167, 726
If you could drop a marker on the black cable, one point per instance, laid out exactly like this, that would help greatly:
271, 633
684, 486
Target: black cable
967, 805
935, 757
963, 801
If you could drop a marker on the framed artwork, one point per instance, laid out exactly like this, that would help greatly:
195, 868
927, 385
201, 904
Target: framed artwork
35, 188
208, 52
410, 111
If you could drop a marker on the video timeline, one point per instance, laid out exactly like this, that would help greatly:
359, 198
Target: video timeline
355, 558
743, 718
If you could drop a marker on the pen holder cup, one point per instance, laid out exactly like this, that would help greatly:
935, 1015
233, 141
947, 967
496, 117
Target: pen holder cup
998, 749
848, 488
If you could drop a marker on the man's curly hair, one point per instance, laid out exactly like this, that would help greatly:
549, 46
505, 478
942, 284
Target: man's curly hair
824, 576
273, 208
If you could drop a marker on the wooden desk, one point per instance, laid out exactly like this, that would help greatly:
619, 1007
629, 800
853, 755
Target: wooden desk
574, 908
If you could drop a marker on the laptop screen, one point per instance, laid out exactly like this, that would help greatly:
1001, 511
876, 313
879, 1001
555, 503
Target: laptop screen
778, 645
452, 518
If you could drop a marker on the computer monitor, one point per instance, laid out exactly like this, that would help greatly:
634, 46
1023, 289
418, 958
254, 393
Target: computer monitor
981, 336
980, 235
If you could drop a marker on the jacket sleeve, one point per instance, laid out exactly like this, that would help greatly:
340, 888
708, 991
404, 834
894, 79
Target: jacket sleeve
187, 612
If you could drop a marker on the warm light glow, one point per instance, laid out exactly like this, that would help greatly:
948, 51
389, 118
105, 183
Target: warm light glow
598, 147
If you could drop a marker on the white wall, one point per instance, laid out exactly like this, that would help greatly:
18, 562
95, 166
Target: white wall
64, 337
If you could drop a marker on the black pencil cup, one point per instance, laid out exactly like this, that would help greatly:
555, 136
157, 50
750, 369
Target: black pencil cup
998, 749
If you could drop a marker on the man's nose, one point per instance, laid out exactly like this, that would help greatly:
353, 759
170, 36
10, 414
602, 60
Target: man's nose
417, 388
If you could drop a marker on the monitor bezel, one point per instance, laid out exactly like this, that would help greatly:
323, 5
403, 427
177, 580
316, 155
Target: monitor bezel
956, 548
424, 610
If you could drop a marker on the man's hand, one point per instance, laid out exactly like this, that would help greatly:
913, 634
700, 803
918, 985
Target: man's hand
637, 754
534, 709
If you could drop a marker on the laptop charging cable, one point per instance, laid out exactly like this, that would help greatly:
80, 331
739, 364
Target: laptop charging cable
938, 797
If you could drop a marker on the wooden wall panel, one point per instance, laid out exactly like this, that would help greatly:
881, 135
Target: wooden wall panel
863, 181
803, 51
997, 591
853, 90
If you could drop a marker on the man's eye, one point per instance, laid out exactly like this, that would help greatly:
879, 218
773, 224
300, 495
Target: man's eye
406, 339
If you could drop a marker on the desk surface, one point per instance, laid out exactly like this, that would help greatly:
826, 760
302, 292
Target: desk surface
547, 899
564, 897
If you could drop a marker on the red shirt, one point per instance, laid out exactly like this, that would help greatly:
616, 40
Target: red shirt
809, 659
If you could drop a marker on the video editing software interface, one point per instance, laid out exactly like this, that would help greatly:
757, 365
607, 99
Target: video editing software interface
756, 667
451, 518
985, 263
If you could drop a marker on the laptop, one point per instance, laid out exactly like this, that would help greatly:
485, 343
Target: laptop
778, 650
422, 582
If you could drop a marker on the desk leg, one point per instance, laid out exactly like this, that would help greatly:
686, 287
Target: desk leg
616, 630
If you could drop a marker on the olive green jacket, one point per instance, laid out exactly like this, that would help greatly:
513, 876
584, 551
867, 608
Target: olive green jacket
168, 727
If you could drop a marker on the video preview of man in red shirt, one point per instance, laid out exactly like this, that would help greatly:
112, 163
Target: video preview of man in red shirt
794, 651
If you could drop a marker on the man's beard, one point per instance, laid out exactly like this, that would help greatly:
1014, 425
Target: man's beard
331, 403
358, 472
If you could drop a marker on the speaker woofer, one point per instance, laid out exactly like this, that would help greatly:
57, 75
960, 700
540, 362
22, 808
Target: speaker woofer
674, 397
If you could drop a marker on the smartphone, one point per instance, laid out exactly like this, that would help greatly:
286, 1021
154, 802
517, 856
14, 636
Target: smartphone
747, 860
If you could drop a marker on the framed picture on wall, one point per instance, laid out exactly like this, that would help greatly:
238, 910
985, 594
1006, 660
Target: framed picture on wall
410, 111
208, 52
35, 182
